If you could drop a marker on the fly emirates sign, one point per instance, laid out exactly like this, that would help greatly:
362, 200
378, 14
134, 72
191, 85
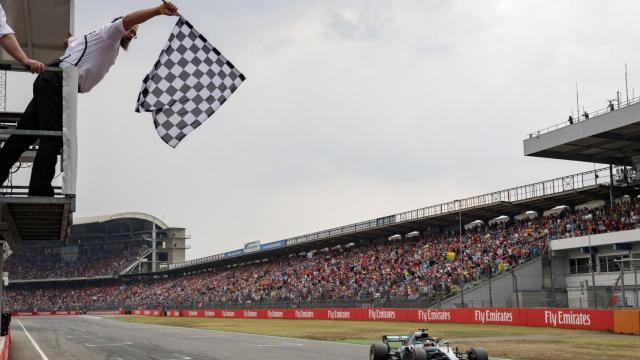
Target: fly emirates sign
559, 318
492, 316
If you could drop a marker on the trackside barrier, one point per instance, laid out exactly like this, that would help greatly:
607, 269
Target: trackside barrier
52, 313
147, 312
43, 313
112, 312
4, 347
558, 318
5, 343
626, 322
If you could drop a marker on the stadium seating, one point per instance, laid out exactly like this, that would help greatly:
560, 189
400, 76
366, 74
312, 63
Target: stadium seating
47, 262
416, 268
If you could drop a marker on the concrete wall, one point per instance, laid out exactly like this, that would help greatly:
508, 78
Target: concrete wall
175, 246
605, 240
579, 287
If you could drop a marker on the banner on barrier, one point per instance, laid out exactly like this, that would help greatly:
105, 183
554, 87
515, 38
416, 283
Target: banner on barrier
551, 317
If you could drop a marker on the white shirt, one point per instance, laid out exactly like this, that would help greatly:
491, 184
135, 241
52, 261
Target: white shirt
4, 28
103, 46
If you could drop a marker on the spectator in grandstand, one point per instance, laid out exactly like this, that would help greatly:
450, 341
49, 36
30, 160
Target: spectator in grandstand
10, 45
32, 263
425, 268
93, 54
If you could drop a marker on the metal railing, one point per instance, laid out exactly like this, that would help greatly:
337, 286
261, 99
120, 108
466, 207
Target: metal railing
580, 118
9, 121
23, 191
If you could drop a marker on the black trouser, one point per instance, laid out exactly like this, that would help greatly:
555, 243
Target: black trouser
44, 112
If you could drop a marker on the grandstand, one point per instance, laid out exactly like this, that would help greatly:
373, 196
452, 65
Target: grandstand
100, 247
415, 258
567, 242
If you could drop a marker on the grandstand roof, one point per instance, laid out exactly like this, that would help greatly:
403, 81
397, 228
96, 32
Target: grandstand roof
608, 137
40, 26
570, 190
124, 215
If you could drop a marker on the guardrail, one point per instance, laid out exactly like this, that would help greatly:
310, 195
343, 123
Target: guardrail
581, 118
68, 133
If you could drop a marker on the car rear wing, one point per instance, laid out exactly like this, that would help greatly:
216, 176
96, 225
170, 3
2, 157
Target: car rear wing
394, 338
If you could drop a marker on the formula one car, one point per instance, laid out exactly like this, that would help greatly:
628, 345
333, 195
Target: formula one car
419, 345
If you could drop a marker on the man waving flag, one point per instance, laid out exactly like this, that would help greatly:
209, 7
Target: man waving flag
187, 84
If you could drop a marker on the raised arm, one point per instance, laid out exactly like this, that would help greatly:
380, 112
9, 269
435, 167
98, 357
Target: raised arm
10, 44
140, 16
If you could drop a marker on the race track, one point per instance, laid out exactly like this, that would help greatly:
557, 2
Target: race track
90, 337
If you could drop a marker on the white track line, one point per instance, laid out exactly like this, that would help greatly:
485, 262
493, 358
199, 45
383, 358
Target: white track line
42, 355
114, 344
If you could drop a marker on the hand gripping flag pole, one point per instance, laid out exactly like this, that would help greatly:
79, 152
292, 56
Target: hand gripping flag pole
188, 83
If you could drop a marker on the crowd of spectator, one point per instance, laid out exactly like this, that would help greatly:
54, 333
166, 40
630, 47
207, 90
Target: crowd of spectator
411, 268
51, 262
624, 215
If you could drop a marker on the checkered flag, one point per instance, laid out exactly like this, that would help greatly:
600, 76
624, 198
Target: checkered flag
187, 84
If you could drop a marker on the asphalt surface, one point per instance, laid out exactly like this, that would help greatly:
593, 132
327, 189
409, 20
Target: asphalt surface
91, 338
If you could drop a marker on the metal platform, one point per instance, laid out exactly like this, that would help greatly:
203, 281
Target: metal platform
25, 218
35, 218
611, 137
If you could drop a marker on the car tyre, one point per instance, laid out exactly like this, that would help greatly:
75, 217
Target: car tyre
419, 354
379, 352
478, 354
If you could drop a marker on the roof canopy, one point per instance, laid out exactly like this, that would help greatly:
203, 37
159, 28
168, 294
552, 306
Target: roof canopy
126, 215
41, 26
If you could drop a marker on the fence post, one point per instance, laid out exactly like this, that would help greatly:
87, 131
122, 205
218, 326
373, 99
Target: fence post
515, 287
461, 292
624, 295
635, 279
490, 275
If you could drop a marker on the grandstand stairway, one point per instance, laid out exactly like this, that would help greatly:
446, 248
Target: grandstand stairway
129, 269
530, 285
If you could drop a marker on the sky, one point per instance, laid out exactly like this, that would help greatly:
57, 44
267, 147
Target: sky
351, 110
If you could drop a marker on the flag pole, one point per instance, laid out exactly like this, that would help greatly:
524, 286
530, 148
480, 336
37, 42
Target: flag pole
165, 2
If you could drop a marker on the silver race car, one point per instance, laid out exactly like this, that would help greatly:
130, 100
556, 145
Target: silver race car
419, 345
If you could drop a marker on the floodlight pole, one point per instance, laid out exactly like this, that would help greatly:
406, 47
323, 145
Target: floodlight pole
626, 82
